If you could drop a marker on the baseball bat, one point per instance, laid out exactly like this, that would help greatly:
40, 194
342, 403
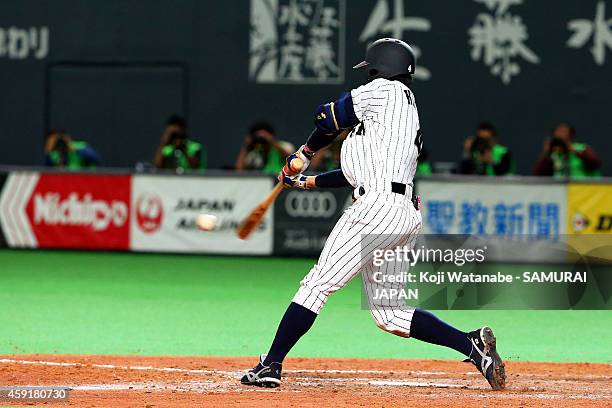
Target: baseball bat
251, 222
254, 218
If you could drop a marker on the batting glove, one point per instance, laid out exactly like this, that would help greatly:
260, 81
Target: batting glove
298, 181
304, 154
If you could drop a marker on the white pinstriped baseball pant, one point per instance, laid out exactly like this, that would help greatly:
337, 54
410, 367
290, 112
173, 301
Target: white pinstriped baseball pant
377, 220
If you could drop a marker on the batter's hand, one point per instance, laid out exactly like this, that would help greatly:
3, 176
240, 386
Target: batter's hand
298, 181
304, 154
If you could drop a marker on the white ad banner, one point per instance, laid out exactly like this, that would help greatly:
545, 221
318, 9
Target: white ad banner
494, 209
165, 209
516, 222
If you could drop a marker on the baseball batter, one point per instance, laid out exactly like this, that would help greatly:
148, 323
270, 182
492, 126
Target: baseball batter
378, 159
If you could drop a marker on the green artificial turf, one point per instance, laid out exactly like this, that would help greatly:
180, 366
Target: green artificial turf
121, 303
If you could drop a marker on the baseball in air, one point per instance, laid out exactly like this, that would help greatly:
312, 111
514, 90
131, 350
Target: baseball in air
206, 222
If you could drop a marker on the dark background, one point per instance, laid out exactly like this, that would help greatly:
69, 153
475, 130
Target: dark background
304, 232
117, 69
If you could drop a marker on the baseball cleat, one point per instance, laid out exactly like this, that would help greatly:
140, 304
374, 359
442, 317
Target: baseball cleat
484, 356
262, 375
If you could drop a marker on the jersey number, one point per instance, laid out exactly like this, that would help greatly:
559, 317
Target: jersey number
418, 141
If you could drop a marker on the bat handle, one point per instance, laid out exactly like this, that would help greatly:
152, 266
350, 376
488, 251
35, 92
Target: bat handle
277, 189
247, 226
274, 194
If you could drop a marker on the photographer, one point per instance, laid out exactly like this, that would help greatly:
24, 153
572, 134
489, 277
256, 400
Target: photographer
176, 151
261, 150
484, 156
61, 151
563, 157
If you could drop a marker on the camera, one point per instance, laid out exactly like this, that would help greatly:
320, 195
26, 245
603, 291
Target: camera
177, 135
480, 145
259, 140
557, 144
178, 138
60, 144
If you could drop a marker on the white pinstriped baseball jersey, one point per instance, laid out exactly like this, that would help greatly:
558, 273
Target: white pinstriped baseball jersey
382, 149
385, 146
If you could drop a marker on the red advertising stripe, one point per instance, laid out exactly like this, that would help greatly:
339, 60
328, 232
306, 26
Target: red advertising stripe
81, 211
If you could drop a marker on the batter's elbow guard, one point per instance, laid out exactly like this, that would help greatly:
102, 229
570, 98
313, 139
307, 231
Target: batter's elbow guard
325, 119
332, 117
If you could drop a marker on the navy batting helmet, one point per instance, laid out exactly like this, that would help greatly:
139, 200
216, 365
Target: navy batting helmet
388, 58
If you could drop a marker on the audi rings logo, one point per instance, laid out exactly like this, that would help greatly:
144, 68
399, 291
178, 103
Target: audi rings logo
321, 204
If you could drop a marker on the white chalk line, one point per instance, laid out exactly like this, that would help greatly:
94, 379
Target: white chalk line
403, 383
296, 371
235, 374
231, 386
211, 372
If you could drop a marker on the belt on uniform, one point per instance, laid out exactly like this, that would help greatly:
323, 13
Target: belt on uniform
397, 188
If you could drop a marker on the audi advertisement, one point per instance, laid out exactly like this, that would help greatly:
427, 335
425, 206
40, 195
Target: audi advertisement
303, 219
